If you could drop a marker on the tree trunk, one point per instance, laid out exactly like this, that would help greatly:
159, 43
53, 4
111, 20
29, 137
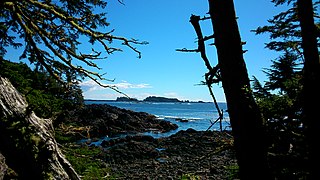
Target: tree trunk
27, 141
246, 119
311, 88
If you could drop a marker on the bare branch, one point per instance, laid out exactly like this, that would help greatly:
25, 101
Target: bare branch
213, 76
121, 2
208, 37
188, 50
201, 46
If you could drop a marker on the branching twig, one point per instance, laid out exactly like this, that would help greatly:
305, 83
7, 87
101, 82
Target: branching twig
59, 31
187, 50
201, 46
213, 75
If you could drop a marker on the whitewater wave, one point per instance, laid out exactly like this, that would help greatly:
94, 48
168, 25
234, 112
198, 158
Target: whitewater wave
165, 117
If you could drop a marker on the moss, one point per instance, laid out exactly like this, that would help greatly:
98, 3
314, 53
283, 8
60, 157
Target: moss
85, 160
233, 171
35, 139
190, 177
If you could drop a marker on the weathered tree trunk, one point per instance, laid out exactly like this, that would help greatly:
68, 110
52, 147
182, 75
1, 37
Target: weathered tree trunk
311, 88
27, 141
3, 166
246, 119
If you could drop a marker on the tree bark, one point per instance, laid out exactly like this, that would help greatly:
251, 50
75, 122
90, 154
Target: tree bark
311, 88
245, 117
27, 141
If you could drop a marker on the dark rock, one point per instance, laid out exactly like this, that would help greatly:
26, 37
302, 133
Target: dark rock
109, 120
184, 120
186, 152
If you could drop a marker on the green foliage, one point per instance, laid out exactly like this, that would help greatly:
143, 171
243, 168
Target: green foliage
63, 138
86, 162
190, 177
275, 106
233, 171
45, 95
280, 98
19, 74
284, 29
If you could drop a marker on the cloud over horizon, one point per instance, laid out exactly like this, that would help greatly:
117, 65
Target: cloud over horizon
91, 90
90, 85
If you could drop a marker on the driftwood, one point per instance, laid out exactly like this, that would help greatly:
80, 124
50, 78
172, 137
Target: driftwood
27, 141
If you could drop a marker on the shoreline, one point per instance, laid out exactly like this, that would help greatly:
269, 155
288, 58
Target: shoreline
137, 155
189, 153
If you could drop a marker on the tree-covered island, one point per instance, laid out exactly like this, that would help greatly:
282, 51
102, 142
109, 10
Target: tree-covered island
155, 99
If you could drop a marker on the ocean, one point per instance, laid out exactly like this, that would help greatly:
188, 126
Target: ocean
197, 116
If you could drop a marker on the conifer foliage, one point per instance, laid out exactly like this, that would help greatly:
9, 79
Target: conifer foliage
286, 98
52, 31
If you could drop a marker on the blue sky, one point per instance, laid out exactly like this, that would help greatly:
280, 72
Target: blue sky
162, 71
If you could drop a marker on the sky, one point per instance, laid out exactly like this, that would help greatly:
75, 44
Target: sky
162, 71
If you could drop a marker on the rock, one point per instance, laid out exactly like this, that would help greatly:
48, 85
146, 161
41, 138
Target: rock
172, 157
182, 120
108, 120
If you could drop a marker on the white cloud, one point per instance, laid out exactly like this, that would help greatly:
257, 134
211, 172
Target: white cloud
90, 85
126, 85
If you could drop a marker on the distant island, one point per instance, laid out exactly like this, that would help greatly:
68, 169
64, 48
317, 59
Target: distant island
126, 99
149, 99
155, 99
160, 99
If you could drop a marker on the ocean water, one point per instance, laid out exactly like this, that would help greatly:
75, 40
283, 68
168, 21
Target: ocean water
199, 116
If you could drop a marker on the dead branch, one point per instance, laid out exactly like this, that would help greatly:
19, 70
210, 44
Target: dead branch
201, 46
188, 50
209, 77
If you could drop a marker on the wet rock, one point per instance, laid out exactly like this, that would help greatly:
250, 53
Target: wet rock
186, 152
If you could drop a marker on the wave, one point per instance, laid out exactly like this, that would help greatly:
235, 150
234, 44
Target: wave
179, 118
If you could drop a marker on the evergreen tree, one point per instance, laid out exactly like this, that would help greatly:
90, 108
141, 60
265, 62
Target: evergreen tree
287, 110
51, 32
311, 79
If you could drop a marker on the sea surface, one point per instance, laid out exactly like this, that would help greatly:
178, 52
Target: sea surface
198, 116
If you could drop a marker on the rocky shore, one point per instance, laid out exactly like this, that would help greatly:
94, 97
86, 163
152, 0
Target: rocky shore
106, 120
190, 153
187, 154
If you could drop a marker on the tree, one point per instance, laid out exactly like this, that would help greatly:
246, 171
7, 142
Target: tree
51, 31
311, 77
280, 102
44, 94
245, 117
282, 70
59, 26
299, 31
246, 120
